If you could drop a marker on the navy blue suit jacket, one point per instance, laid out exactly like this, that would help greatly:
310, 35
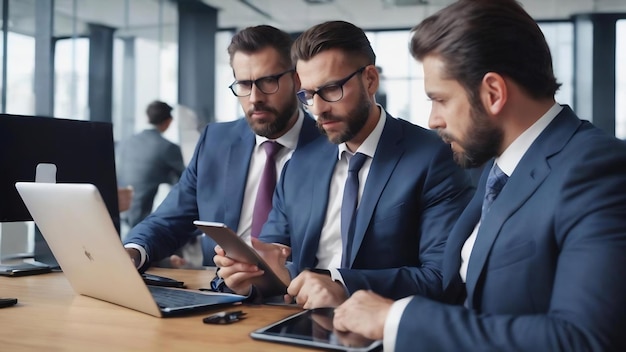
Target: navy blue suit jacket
210, 189
547, 270
413, 195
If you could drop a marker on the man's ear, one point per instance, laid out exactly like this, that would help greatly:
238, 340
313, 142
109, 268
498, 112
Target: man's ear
371, 79
296, 81
493, 92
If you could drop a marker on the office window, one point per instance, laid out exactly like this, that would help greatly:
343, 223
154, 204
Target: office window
1, 60
401, 89
71, 77
620, 79
20, 55
227, 107
145, 65
560, 38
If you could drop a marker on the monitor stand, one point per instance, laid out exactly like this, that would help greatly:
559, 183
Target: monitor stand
15, 259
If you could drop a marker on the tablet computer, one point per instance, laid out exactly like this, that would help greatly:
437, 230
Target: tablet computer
269, 284
314, 328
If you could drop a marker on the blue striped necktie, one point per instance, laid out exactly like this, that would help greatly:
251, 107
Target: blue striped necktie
349, 206
495, 182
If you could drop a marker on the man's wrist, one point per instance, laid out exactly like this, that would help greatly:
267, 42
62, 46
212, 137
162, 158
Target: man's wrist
142, 256
320, 271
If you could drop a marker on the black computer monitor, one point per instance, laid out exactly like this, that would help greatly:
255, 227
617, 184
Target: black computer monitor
83, 152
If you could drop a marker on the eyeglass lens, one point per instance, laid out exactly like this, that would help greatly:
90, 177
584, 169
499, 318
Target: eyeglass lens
331, 93
267, 85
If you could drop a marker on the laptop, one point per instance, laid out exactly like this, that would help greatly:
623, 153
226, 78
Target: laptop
78, 228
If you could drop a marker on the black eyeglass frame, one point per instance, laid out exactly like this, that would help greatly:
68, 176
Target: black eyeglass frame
255, 82
302, 97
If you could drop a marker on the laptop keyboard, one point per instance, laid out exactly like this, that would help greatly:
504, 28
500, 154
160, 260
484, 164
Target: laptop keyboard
170, 298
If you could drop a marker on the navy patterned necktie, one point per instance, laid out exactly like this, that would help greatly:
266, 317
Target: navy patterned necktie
263, 203
495, 182
349, 205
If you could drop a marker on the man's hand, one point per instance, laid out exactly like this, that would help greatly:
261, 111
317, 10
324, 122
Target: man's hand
238, 275
364, 313
178, 262
313, 290
135, 256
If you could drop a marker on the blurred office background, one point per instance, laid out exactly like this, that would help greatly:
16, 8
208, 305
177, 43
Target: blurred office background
106, 60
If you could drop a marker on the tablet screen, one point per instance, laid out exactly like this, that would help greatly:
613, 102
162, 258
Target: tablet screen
315, 328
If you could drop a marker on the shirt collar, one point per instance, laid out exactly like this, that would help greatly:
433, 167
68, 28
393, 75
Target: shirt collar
288, 140
368, 147
512, 155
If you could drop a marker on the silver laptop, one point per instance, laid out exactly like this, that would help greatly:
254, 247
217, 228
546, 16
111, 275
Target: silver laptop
75, 223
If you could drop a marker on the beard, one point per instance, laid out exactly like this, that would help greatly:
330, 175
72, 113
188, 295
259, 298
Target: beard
282, 116
482, 141
355, 119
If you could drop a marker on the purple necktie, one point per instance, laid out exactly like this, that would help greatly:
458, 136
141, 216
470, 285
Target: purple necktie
349, 205
263, 203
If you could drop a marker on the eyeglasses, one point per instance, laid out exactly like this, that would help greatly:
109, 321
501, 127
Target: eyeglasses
267, 85
331, 92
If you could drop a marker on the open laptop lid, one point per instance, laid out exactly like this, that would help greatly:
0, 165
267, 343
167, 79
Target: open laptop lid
74, 221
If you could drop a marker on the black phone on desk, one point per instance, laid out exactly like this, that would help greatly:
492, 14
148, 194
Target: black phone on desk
7, 302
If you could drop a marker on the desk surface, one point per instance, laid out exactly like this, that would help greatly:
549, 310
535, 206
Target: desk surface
51, 317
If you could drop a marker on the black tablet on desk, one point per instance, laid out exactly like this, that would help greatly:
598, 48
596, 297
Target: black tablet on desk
314, 328
269, 284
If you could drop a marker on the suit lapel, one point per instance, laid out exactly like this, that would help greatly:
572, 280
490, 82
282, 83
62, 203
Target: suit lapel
388, 153
452, 283
529, 174
308, 132
324, 161
237, 164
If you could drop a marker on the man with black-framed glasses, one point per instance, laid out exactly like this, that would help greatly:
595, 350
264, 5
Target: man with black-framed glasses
367, 207
223, 180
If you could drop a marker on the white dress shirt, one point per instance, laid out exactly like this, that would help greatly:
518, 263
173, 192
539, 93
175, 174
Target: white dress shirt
330, 247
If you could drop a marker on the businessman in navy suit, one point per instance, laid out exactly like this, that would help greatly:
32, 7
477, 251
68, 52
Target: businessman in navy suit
221, 181
410, 190
539, 265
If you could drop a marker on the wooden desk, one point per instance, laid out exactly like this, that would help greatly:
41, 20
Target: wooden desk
51, 317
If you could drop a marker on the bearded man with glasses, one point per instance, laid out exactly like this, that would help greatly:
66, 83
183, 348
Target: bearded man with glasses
381, 225
221, 182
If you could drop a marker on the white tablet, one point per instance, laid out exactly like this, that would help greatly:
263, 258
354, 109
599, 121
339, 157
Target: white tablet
269, 284
314, 328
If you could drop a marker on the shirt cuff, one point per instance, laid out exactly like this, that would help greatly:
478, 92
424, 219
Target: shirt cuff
392, 323
143, 255
336, 275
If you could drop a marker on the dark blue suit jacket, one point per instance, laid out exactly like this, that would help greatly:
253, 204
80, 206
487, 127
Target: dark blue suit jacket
413, 195
210, 189
547, 269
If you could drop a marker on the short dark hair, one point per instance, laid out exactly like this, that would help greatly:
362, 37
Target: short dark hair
253, 39
474, 37
158, 112
333, 35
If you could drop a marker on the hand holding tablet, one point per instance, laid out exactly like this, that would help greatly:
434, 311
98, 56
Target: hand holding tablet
269, 283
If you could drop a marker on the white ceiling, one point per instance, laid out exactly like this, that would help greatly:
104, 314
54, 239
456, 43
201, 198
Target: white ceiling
297, 15
142, 17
